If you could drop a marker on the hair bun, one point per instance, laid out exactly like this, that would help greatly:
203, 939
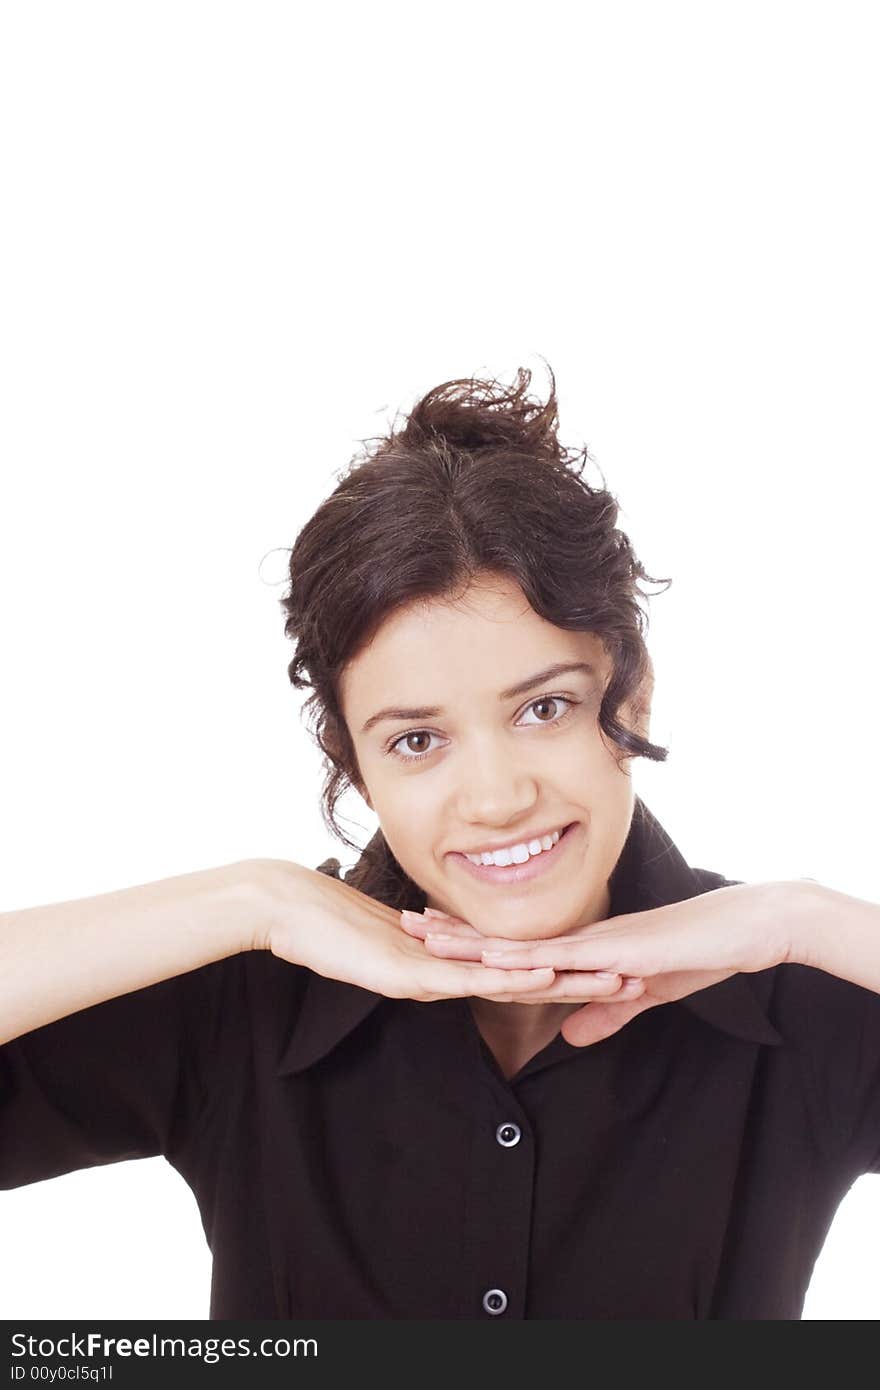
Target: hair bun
470, 413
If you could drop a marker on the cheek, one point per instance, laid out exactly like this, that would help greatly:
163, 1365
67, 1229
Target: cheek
413, 846
587, 766
407, 821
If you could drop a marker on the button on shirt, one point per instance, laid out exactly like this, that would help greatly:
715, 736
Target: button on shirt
354, 1156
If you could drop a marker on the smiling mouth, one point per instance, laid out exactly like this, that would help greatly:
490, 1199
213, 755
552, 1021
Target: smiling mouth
518, 851
534, 867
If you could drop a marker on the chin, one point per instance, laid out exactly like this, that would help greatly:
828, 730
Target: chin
528, 924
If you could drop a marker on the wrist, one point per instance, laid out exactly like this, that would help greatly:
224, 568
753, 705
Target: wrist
247, 905
811, 911
838, 933
274, 885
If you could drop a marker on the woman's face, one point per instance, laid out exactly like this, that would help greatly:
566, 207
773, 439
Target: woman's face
508, 755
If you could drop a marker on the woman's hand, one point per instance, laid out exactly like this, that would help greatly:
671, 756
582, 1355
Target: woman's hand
672, 951
339, 932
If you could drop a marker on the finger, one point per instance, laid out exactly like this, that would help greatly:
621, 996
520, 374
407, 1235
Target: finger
461, 980
451, 947
454, 926
595, 1022
568, 955
581, 987
444, 916
574, 989
463, 948
416, 924
570, 986
573, 985
460, 948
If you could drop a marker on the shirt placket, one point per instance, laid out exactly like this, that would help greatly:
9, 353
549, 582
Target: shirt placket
501, 1199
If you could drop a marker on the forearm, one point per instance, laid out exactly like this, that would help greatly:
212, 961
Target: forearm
57, 959
837, 933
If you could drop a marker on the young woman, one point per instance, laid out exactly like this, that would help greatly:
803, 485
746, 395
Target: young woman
523, 1061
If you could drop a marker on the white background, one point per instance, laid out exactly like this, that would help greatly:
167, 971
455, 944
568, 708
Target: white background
237, 238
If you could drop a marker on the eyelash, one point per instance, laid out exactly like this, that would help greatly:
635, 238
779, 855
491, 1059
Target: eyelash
553, 724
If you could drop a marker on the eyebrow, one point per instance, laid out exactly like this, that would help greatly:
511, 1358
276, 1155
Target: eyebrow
550, 673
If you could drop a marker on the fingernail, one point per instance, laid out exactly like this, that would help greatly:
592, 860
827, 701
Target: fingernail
606, 974
413, 916
434, 912
438, 936
501, 957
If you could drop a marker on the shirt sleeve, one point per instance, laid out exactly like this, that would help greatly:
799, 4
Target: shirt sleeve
122, 1079
834, 1027
865, 1143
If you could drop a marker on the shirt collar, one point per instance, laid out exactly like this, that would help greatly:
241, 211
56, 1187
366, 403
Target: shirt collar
650, 872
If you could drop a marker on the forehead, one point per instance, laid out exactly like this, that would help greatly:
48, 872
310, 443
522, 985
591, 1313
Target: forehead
475, 644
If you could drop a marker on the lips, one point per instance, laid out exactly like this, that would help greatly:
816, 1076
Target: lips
510, 844
536, 866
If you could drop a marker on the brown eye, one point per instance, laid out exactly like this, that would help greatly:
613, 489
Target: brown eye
547, 701
551, 709
409, 739
402, 747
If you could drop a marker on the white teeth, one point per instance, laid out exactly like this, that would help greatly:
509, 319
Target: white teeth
515, 854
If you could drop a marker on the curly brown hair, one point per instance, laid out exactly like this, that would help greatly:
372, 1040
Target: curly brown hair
475, 481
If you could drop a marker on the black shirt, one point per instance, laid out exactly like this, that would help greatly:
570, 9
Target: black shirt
361, 1157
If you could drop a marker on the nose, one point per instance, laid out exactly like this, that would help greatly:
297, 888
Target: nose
494, 790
